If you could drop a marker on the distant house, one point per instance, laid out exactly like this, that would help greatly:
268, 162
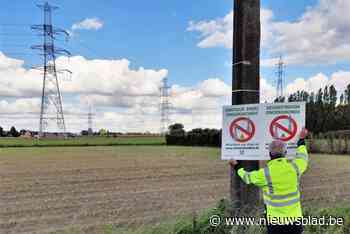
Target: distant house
53, 135
26, 135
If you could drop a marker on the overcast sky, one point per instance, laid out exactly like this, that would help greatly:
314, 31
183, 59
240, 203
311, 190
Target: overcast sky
121, 50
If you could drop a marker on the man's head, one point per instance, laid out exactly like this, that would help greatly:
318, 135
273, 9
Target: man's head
277, 149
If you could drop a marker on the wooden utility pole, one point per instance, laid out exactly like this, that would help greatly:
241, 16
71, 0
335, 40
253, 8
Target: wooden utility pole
245, 83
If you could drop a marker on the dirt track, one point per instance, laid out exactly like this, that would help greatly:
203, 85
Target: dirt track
52, 189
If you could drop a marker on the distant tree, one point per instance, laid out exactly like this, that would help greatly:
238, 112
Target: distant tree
84, 133
280, 99
342, 99
13, 132
176, 129
333, 96
323, 111
305, 96
347, 94
292, 97
1, 132
325, 95
312, 97
103, 132
319, 96
176, 134
175, 126
196, 137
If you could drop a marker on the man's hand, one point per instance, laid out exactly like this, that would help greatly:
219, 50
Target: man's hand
233, 163
303, 134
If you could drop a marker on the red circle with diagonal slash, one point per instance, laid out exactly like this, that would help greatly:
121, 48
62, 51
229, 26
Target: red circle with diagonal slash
289, 132
247, 133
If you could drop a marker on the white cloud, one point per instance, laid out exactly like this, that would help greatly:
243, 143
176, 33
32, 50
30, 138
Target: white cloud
270, 62
88, 24
219, 32
311, 85
126, 99
20, 106
214, 88
267, 91
8, 63
214, 32
110, 84
319, 36
103, 77
339, 79
110, 78
16, 81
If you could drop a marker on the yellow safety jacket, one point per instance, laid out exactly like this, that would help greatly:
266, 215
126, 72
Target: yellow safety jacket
280, 181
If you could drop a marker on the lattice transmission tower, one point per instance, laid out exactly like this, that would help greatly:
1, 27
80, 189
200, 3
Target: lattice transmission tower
280, 79
90, 119
164, 106
51, 99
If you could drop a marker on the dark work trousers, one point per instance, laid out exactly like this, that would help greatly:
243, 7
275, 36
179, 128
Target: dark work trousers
284, 229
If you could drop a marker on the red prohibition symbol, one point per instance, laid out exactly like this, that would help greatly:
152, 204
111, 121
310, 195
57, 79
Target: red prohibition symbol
242, 129
279, 124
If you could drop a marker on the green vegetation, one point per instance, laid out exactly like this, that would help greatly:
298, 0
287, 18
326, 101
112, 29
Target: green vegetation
330, 145
201, 225
324, 111
196, 137
81, 141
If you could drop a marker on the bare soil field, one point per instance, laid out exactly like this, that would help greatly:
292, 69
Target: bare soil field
45, 190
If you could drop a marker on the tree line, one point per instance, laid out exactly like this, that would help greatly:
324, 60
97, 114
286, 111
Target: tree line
11, 133
327, 111
196, 137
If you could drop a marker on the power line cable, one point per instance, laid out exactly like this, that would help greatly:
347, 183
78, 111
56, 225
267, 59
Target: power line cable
15, 25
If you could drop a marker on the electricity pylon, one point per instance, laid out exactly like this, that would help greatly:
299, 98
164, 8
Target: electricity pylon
51, 99
164, 106
280, 80
90, 117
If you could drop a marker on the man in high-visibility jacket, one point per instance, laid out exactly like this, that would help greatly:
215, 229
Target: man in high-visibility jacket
280, 181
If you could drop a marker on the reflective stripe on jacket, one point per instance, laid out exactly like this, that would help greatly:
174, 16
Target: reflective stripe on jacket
280, 181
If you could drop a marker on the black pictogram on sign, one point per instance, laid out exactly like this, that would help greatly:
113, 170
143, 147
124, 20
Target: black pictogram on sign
283, 128
242, 129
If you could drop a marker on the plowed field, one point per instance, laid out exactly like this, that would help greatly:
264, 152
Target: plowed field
46, 190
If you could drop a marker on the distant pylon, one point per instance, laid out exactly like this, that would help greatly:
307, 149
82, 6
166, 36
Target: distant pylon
51, 99
90, 116
164, 106
280, 79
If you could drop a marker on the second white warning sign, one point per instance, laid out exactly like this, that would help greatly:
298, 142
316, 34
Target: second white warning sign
248, 129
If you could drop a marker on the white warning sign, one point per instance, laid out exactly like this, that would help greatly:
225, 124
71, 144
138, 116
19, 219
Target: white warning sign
240, 133
248, 129
284, 122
